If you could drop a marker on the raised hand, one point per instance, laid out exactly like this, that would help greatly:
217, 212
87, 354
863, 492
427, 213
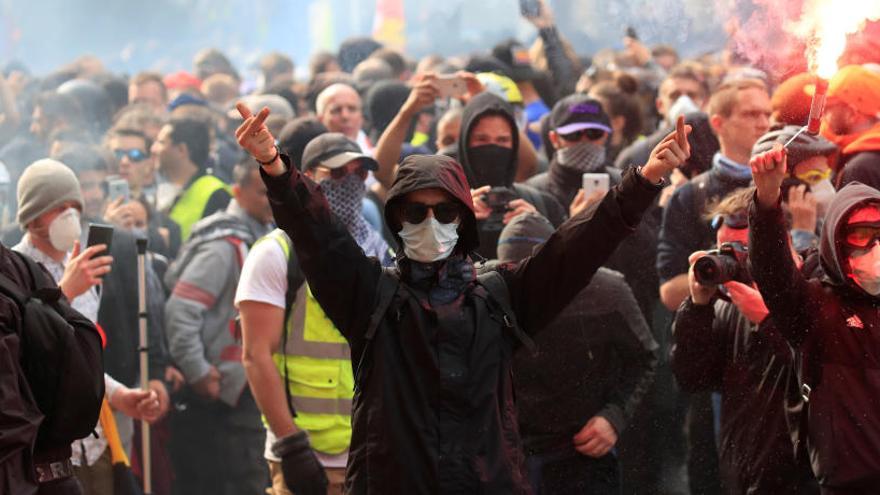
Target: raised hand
421, 96
84, 270
253, 135
768, 172
670, 154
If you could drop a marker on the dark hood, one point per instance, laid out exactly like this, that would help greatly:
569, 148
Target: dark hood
850, 197
434, 172
483, 105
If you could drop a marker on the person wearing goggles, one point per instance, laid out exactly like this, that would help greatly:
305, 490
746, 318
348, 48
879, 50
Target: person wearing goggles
831, 320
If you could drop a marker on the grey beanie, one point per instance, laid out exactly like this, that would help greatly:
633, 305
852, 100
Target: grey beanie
44, 185
522, 235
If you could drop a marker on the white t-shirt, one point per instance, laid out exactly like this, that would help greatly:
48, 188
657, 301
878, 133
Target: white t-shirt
264, 279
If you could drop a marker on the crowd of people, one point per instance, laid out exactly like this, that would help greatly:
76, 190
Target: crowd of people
511, 271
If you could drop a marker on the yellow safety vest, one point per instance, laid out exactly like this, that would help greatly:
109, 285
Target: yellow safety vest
318, 361
190, 208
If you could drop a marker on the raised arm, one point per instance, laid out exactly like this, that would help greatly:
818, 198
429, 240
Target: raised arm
329, 256
545, 283
391, 142
784, 289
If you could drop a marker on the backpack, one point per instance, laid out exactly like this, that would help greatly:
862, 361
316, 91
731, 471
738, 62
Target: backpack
490, 286
61, 358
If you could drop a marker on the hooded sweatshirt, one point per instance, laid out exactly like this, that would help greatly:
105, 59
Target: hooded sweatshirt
498, 174
433, 410
836, 327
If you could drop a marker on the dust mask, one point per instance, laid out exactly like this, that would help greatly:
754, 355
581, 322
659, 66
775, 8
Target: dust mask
65, 230
429, 240
866, 270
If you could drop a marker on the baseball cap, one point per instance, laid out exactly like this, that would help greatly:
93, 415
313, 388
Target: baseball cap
334, 150
578, 112
858, 87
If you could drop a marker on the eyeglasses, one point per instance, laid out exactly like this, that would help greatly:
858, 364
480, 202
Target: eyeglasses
343, 172
862, 236
737, 221
134, 155
813, 177
591, 134
415, 213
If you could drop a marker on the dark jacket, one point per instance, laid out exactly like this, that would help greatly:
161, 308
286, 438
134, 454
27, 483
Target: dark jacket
718, 349
502, 174
118, 315
836, 327
435, 411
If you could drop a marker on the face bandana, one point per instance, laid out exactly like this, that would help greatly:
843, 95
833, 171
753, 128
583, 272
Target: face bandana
429, 240
583, 157
491, 165
346, 197
65, 229
865, 268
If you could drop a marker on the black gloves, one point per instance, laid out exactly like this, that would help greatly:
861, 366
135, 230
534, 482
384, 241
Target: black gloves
303, 473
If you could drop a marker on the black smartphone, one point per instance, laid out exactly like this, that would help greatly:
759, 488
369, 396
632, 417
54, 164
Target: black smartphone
530, 8
100, 234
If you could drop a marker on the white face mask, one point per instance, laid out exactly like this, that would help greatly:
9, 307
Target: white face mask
866, 270
823, 192
429, 240
65, 229
683, 105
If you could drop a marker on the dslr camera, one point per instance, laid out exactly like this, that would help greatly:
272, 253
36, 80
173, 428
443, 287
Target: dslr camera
498, 199
730, 262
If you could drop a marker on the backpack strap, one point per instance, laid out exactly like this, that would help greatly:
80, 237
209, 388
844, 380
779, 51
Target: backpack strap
389, 282
496, 288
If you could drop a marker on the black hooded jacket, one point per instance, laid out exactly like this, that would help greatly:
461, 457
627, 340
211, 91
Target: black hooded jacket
434, 412
499, 174
836, 327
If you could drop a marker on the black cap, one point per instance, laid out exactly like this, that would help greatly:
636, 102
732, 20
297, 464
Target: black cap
516, 56
578, 112
488, 63
334, 150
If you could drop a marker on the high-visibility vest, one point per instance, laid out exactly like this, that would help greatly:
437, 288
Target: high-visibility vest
319, 372
190, 208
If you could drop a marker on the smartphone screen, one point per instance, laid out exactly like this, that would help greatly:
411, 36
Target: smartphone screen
596, 182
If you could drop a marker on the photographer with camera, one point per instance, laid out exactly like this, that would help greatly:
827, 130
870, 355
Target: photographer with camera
724, 342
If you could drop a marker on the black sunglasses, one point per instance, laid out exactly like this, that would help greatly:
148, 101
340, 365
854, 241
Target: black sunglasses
134, 155
862, 235
415, 213
591, 134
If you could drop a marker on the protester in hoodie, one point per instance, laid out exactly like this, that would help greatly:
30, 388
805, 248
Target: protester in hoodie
433, 406
273, 298
216, 439
830, 321
487, 150
571, 416
852, 117
726, 343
